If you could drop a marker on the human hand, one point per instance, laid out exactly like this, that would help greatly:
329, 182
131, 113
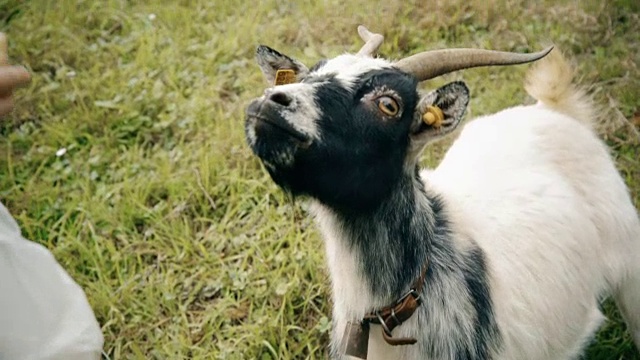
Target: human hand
11, 77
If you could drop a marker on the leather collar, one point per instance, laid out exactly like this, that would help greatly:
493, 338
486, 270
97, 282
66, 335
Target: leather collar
392, 316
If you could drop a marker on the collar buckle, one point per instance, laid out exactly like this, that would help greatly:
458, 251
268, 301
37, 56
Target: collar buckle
392, 316
412, 292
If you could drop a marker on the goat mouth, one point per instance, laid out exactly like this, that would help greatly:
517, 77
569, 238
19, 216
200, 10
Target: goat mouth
299, 137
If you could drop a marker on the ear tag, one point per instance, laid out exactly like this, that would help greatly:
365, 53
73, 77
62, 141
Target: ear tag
433, 117
285, 76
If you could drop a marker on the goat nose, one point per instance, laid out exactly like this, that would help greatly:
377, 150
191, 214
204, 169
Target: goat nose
280, 98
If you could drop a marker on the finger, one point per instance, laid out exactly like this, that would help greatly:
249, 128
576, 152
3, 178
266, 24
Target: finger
12, 77
6, 105
4, 56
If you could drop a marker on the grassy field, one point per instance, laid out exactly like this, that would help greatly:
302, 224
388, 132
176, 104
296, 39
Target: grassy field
126, 155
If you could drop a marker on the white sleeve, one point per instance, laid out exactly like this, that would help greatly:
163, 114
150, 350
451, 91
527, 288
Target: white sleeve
44, 314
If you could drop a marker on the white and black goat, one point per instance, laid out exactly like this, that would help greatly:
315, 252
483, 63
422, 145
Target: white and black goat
501, 252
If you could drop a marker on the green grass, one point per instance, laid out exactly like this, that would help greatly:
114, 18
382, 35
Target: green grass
184, 246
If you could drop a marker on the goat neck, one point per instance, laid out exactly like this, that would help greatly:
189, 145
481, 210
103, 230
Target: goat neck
391, 241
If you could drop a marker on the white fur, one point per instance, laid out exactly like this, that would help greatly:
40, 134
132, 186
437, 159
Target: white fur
539, 193
348, 68
303, 113
351, 297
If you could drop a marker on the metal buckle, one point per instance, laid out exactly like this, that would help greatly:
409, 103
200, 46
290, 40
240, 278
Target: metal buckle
411, 292
393, 316
382, 323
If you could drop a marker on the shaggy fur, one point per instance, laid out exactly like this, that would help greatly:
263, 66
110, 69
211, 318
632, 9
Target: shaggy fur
525, 224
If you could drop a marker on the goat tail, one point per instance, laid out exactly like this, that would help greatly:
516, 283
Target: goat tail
550, 81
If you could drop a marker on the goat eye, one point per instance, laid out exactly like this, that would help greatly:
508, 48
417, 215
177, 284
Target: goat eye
387, 105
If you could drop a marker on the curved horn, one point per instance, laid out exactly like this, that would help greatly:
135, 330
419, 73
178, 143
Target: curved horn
372, 41
429, 64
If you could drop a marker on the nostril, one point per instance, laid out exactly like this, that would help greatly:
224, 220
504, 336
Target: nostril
280, 98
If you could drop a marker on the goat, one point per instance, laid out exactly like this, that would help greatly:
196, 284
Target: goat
501, 252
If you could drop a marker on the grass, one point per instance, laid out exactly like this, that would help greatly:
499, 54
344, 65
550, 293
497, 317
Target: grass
184, 246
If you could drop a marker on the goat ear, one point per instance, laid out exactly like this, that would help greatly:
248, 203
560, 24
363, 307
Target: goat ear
438, 113
270, 61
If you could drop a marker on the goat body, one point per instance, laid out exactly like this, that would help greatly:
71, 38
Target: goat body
525, 224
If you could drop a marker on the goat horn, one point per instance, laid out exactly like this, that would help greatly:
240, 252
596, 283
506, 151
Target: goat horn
372, 41
429, 64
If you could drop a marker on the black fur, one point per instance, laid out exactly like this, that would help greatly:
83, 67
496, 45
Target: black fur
359, 170
394, 242
353, 180
475, 275
318, 65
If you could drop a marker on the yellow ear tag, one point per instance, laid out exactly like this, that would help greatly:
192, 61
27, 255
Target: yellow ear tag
285, 76
433, 116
